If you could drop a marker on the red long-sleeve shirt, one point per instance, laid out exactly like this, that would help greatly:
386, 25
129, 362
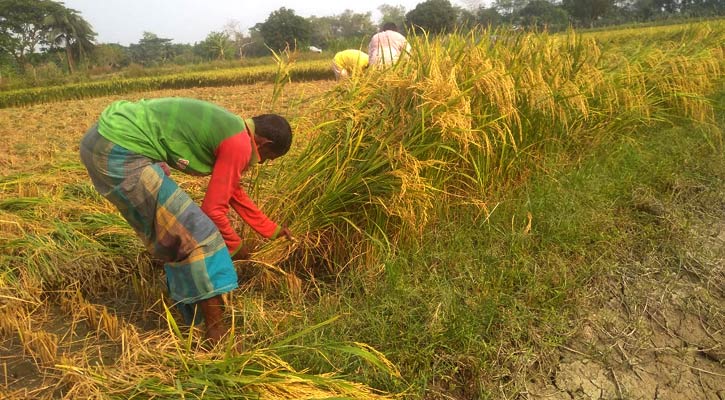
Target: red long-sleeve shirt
233, 156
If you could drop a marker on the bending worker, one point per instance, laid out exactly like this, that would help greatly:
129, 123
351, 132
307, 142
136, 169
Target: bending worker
347, 62
128, 154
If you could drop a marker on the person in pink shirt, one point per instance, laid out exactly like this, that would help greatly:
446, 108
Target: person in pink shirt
387, 45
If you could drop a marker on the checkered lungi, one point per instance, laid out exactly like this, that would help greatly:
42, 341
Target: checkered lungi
171, 225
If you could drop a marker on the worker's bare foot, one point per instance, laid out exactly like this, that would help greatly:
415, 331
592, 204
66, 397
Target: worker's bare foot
213, 309
214, 335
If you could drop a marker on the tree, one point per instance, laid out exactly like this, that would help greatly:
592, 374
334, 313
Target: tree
182, 53
585, 12
323, 30
7, 66
237, 38
283, 27
217, 46
465, 18
151, 50
473, 4
111, 55
394, 14
70, 31
22, 28
509, 7
254, 46
668, 6
542, 14
434, 16
355, 25
488, 17
703, 7
345, 28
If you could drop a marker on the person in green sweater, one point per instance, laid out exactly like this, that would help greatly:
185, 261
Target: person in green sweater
128, 154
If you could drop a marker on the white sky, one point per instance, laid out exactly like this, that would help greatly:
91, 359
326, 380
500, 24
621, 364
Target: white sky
189, 21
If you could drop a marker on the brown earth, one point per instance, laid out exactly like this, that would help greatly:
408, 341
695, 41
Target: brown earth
655, 330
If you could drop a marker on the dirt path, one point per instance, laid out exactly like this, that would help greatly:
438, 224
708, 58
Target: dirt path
656, 329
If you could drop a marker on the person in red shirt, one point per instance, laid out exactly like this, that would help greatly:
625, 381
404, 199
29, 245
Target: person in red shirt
128, 155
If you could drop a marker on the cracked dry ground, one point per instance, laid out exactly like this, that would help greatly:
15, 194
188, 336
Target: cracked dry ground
655, 329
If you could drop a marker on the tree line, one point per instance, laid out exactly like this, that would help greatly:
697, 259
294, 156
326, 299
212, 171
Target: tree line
45, 32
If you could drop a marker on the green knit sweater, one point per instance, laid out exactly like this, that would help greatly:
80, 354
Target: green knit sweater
184, 133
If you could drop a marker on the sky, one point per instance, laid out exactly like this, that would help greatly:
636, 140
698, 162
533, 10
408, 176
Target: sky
190, 21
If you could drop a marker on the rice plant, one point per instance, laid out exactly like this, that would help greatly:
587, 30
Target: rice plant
175, 368
463, 114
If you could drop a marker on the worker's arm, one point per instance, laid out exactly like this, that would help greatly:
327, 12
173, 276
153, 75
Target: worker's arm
253, 216
232, 156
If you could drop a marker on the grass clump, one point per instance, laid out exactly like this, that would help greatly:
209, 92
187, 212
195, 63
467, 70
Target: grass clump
175, 368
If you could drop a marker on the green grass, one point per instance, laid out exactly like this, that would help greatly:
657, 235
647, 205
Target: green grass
303, 71
484, 302
138, 71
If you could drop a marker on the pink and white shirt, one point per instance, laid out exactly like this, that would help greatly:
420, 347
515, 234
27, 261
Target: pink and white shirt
385, 47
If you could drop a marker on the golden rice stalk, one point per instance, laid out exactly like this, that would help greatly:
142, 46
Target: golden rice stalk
537, 93
41, 345
682, 81
99, 318
11, 225
159, 370
493, 88
13, 312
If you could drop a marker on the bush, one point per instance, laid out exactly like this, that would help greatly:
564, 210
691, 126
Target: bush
48, 72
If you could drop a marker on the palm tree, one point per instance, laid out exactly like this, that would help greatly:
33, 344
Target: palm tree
217, 44
69, 30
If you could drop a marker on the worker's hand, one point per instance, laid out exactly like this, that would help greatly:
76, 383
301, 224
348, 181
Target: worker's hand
241, 254
165, 167
287, 234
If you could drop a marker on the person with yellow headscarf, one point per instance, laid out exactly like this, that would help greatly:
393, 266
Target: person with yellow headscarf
347, 62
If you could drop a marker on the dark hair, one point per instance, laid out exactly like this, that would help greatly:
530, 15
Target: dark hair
276, 129
390, 26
